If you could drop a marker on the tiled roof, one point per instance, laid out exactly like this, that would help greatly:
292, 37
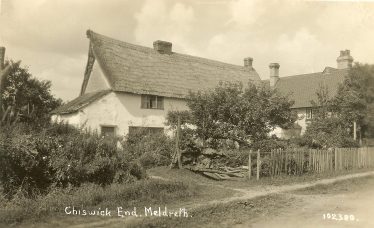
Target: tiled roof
142, 70
302, 88
80, 102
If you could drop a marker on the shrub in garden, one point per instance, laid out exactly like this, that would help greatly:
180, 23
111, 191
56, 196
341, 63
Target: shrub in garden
35, 158
22, 165
149, 149
269, 144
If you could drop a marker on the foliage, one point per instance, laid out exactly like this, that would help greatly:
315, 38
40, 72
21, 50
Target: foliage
327, 127
355, 99
172, 118
189, 143
150, 149
29, 96
326, 133
240, 114
270, 144
35, 158
92, 197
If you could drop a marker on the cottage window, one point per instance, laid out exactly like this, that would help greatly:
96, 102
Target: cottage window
108, 131
309, 113
152, 102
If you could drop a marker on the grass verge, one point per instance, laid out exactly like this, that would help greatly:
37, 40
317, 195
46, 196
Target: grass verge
91, 196
190, 177
224, 214
350, 185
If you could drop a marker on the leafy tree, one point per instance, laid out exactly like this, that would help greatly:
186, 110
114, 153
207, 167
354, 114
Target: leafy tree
172, 118
327, 127
355, 98
231, 112
28, 96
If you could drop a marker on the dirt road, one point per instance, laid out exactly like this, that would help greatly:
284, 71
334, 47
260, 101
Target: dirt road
299, 205
296, 205
309, 209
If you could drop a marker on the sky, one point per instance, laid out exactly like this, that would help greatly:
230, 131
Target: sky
49, 36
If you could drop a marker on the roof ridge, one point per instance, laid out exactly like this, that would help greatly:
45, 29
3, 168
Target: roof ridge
93, 35
142, 70
316, 73
304, 87
290, 76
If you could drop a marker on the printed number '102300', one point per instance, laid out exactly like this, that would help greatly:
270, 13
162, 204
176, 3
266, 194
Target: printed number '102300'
338, 217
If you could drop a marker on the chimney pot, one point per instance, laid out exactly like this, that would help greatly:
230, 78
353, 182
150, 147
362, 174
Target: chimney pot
162, 47
248, 62
345, 59
2, 57
274, 73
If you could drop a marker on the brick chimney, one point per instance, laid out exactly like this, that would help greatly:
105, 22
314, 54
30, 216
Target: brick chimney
162, 47
274, 73
248, 62
2, 57
344, 60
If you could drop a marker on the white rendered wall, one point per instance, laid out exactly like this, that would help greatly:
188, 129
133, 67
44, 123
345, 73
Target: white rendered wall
122, 110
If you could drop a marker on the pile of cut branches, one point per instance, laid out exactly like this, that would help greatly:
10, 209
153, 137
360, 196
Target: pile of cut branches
222, 173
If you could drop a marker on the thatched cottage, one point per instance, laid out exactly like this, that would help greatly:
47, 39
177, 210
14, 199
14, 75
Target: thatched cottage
127, 86
302, 90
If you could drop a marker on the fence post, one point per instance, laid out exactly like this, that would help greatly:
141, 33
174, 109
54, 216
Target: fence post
335, 159
341, 158
271, 162
302, 161
309, 160
258, 164
249, 165
331, 164
286, 165
319, 161
276, 159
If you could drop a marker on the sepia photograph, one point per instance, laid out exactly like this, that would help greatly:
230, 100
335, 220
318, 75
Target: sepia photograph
187, 113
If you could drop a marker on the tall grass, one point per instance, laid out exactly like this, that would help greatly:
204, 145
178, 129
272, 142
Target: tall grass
92, 196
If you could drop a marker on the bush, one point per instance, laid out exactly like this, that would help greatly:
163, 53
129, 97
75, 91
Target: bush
326, 133
149, 149
269, 144
35, 158
152, 159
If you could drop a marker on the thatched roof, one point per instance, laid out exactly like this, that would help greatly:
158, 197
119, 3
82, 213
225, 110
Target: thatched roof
143, 70
302, 88
80, 102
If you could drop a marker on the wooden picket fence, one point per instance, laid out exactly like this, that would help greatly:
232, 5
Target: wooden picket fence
298, 161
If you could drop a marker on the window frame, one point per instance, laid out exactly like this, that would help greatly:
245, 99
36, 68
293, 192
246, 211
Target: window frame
146, 102
108, 126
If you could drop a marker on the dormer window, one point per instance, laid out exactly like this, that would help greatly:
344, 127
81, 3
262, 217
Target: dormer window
152, 102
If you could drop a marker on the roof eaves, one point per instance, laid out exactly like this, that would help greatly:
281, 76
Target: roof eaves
72, 109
